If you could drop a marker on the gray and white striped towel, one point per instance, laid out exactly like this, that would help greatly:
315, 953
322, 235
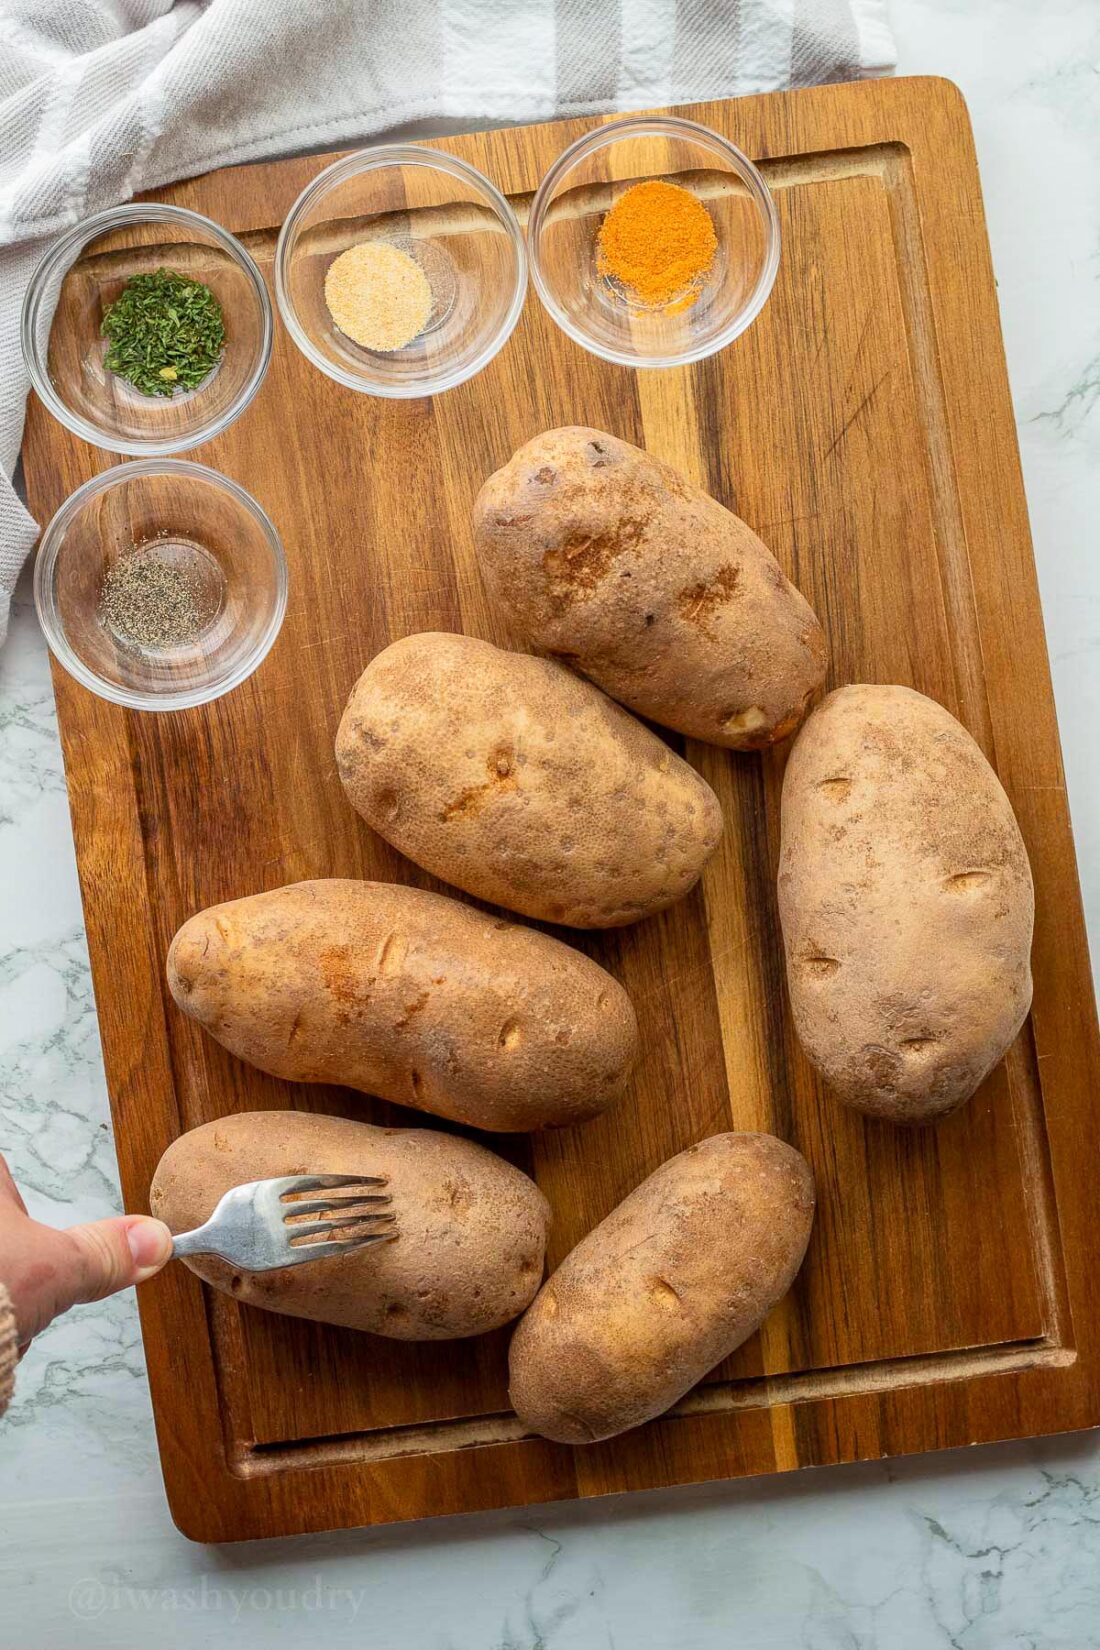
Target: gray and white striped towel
102, 98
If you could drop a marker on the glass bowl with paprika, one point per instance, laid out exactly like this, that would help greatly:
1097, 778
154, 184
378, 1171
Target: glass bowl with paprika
147, 329
654, 242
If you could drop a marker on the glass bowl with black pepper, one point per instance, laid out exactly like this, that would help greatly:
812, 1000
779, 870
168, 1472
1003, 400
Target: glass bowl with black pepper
160, 584
400, 271
147, 329
654, 242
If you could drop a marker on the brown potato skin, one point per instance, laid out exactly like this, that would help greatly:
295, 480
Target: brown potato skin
411, 996
906, 901
605, 557
675, 1278
471, 1228
514, 779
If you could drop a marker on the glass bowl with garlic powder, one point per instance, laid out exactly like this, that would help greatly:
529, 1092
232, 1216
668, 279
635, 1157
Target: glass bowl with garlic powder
400, 271
160, 584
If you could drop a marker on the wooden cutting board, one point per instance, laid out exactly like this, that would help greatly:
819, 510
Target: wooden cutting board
863, 426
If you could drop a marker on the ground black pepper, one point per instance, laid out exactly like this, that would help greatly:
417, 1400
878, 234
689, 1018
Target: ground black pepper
149, 600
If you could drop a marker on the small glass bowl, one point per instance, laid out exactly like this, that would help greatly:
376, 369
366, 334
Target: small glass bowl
456, 225
178, 513
81, 276
572, 202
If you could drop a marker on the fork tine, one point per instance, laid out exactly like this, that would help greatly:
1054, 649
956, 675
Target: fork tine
309, 1228
339, 1245
324, 1182
299, 1254
316, 1206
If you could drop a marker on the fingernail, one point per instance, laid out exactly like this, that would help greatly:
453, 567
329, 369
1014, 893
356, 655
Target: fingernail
150, 1244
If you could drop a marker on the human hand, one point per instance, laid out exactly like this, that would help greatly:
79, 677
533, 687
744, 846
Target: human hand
45, 1271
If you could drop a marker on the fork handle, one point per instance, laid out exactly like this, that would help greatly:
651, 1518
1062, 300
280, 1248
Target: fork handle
197, 1242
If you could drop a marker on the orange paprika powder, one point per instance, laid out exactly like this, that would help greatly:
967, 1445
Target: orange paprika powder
657, 240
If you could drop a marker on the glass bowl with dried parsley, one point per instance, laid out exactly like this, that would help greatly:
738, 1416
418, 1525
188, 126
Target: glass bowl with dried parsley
400, 271
654, 242
147, 329
160, 584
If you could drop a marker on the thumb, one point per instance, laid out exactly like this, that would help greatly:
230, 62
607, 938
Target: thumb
107, 1255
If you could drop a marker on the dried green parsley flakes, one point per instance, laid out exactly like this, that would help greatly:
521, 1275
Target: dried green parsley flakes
167, 332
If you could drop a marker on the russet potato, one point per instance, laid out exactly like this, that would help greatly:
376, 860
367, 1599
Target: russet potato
516, 780
906, 901
675, 1278
606, 558
411, 996
471, 1229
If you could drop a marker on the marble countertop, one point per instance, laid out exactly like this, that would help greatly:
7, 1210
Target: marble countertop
976, 1550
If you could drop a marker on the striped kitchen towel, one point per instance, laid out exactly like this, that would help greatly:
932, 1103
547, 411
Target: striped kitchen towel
102, 98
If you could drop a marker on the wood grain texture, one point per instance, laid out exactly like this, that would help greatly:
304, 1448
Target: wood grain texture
863, 427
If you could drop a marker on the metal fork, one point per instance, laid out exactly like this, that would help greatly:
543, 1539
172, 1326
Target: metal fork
259, 1226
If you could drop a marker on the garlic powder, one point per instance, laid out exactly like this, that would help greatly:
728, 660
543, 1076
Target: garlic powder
378, 296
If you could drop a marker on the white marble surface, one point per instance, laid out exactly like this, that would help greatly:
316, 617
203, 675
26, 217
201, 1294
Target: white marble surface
979, 1551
